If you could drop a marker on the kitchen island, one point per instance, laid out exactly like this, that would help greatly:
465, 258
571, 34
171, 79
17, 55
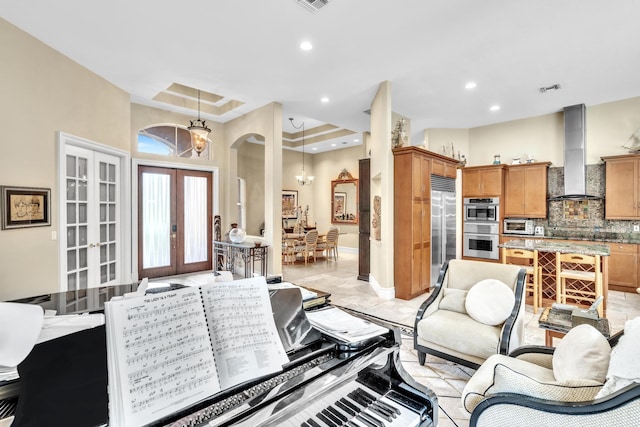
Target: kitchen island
547, 249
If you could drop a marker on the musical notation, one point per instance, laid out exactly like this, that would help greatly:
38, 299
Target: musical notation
171, 349
161, 342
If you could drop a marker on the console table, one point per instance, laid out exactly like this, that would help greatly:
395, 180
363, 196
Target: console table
227, 254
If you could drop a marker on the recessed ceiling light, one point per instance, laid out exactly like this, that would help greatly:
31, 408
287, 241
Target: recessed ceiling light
306, 46
356, 140
324, 99
315, 148
470, 85
333, 145
494, 108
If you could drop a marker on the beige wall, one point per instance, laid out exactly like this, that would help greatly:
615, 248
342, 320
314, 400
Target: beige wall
609, 126
251, 169
266, 122
381, 265
44, 92
440, 141
292, 166
327, 167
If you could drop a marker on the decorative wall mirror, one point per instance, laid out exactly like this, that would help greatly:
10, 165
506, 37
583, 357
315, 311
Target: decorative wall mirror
344, 199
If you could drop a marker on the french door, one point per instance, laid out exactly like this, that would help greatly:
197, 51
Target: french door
91, 218
174, 221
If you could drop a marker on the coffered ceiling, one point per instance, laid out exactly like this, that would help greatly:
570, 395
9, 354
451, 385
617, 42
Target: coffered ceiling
243, 54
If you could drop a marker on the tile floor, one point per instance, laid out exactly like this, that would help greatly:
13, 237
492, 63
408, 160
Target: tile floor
445, 378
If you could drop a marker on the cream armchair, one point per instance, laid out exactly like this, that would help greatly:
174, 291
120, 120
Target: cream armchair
531, 386
475, 310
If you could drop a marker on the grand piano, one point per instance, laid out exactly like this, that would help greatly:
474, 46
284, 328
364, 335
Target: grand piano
326, 383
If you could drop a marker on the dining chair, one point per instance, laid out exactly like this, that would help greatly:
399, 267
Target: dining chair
307, 247
331, 243
585, 271
288, 249
529, 261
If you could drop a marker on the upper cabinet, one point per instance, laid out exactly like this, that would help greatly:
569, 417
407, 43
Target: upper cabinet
525, 190
622, 198
482, 181
444, 168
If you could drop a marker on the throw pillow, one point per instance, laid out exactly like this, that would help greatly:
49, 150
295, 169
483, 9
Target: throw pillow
490, 301
583, 354
625, 359
453, 300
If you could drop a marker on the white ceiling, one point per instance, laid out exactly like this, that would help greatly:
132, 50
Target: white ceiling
248, 50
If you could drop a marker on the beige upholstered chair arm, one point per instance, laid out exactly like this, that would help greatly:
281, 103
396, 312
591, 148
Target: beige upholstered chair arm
539, 355
619, 409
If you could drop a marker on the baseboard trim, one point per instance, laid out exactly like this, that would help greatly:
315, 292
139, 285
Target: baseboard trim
383, 293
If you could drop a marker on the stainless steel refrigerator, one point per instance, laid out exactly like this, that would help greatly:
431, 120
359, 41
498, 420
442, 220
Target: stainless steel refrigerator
443, 223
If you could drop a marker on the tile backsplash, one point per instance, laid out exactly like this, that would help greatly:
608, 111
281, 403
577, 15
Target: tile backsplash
581, 218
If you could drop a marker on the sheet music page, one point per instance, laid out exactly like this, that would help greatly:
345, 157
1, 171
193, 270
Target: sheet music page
243, 333
159, 356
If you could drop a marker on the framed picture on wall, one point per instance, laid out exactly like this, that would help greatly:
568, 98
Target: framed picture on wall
25, 207
289, 204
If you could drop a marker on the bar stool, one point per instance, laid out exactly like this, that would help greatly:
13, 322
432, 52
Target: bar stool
584, 293
534, 272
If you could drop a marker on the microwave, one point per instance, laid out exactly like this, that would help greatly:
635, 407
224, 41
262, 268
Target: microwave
517, 226
485, 209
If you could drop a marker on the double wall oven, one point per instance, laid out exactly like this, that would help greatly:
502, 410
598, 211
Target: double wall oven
481, 231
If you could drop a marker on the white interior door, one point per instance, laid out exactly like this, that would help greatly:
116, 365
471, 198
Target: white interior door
92, 217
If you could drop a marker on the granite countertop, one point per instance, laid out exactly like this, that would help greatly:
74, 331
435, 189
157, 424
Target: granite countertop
554, 245
600, 237
631, 238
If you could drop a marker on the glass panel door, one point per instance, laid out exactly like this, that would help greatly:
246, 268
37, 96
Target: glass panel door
194, 221
108, 220
157, 221
92, 193
174, 230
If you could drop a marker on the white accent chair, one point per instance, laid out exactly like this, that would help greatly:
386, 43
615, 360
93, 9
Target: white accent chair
529, 387
444, 327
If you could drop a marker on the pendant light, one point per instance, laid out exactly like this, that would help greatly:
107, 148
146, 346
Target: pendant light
199, 132
302, 179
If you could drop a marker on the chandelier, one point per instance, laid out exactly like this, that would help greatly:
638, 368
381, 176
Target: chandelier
302, 179
199, 132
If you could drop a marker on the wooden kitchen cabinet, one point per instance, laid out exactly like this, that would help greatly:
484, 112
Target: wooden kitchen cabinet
443, 168
622, 197
525, 190
412, 219
482, 181
623, 267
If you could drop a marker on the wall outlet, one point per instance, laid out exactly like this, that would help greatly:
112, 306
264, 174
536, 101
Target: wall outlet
636, 228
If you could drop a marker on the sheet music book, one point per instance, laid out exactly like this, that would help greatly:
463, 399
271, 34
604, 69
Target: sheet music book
343, 326
170, 350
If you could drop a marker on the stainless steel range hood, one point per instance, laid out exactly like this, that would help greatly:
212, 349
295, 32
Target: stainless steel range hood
575, 144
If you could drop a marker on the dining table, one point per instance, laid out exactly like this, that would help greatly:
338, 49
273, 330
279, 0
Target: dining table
293, 238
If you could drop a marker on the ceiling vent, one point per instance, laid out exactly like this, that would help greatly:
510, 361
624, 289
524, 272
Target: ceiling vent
313, 5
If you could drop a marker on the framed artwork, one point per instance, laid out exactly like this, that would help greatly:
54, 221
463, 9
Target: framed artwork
339, 202
25, 207
289, 204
